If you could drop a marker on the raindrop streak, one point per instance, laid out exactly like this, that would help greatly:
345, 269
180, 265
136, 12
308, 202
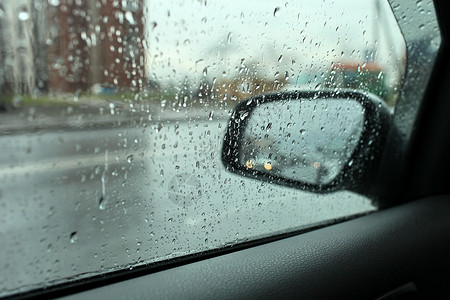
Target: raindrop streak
103, 199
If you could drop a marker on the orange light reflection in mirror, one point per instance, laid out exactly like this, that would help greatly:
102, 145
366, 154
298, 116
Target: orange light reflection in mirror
250, 164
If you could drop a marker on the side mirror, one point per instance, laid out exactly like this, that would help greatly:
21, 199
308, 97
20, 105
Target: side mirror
319, 141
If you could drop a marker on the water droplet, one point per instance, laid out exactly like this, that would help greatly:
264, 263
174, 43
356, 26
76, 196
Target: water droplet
73, 237
130, 158
23, 15
350, 163
280, 59
97, 169
111, 108
229, 38
211, 115
129, 17
205, 71
53, 2
244, 115
102, 202
275, 12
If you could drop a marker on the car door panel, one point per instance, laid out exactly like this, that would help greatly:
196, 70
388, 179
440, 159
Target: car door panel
362, 258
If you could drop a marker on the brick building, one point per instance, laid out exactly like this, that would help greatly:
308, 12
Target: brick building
96, 42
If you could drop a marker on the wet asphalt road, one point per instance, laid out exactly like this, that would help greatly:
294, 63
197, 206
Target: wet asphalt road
87, 201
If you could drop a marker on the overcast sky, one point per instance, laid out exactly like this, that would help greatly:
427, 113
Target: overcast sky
185, 37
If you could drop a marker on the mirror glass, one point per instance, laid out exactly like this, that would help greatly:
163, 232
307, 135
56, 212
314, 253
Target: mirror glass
308, 140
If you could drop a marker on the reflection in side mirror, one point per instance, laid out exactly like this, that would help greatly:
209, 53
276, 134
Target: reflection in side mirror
317, 141
306, 140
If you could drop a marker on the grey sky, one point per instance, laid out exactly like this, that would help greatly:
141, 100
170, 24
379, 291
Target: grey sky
185, 37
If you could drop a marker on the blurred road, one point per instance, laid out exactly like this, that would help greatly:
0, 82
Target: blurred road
81, 200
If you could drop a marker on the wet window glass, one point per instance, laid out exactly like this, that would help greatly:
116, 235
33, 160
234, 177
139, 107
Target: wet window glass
113, 115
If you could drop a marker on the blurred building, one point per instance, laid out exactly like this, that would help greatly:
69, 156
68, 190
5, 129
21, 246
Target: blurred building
96, 42
65, 46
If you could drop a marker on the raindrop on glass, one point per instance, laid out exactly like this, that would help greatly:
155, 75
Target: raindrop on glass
23, 15
73, 237
53, 2
275, 12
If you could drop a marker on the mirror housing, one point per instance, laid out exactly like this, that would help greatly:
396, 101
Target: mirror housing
358, 173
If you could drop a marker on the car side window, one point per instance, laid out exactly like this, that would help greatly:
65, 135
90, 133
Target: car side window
113, 117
